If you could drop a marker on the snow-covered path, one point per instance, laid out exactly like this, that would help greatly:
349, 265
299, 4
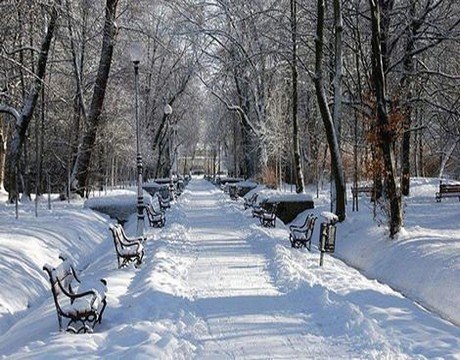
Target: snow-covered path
214, 284
246, 315
246, 291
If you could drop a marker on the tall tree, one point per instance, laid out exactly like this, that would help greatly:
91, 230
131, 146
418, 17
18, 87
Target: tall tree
80, 172
331, 134
385, 131
295, 123
24, 116
2, 154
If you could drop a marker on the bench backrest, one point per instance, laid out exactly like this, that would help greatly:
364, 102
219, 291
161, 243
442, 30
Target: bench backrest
447, 188
309, 223
61, 279
151, 210
121, 239
64, 274
117, 236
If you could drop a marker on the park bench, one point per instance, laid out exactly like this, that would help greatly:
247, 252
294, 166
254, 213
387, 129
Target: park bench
233, 192
300, 235
82, 304
355, 190
128, 249
266, 214
257, 209
447, 190
156, 218
268, 218
164, 202
250, 202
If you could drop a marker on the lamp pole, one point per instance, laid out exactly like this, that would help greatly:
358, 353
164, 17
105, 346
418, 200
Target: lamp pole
175, 149
168, 111
140, 193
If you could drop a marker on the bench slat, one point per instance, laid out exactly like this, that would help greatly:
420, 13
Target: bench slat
447, 190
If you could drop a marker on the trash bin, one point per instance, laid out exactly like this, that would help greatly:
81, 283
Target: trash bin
327, 234
327, 239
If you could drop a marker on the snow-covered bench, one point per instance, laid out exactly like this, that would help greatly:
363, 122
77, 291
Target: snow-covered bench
447, 190
251, 202
268, 218
366, 189
165, 203
266, 213
156, 218
82, 304
233, 192
128, 249
300, 235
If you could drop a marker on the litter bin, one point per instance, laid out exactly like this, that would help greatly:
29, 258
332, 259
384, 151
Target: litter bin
327, 234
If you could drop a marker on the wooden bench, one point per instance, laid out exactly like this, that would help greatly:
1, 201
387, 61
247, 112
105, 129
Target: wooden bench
165, 203
233, 192
156, 218
128, 249
82, 304
266, 215
257, 209
447, 190
251, 202
300, 235
355, 190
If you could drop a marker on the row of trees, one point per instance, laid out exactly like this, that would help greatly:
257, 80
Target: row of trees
283, 90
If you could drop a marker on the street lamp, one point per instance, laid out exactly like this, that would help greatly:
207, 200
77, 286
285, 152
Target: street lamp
136, 53
168, 111
175, 146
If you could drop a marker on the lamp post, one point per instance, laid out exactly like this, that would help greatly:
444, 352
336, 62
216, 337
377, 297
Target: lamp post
175, 146
168, 111
135, 58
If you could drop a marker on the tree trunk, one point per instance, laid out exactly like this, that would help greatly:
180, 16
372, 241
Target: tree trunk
386, 135
331, 135
2, 155
80, 172
24, 117
406, 86
295, 126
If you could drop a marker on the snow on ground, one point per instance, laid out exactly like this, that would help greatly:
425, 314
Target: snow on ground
215, 284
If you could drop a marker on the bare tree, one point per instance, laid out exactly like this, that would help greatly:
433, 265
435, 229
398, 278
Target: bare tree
331, 134
385, 133
24, 115
81, 167
295, 123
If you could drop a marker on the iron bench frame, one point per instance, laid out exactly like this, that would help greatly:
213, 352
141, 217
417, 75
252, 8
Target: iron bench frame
83, 308
300, 235
128, 249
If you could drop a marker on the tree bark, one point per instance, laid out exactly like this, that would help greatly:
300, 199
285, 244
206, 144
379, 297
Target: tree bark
2, 155
331, 135
295, 124
80, 172
386, 135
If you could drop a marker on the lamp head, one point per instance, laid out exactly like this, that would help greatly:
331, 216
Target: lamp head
135, 52
168, 109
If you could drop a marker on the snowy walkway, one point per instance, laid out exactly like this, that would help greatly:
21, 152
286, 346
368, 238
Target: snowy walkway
214, 285
252, 298
246, 315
